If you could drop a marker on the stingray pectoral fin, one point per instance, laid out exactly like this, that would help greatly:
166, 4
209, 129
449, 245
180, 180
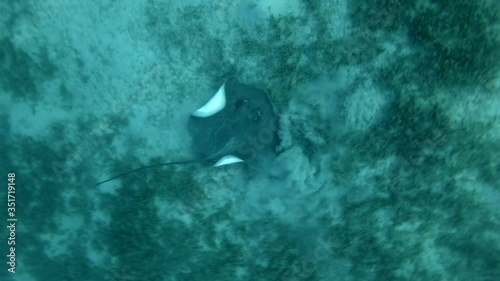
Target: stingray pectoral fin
226, 160
214, 105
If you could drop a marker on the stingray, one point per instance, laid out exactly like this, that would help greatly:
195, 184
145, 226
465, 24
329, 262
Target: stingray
237, 125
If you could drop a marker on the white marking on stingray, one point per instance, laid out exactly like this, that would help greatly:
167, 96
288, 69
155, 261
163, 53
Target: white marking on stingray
228, 159
214, 105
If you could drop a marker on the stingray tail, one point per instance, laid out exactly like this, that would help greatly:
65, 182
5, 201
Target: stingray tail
147, 167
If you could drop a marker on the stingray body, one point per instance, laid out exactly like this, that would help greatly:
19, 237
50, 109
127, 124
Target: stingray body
238, 124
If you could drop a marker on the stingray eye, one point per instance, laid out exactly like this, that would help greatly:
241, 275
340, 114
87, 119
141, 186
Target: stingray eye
257, 116
238, 104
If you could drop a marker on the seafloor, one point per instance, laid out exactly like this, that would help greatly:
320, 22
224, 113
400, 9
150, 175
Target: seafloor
388, 167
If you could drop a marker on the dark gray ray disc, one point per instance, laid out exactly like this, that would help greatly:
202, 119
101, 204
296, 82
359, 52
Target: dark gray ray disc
238, 124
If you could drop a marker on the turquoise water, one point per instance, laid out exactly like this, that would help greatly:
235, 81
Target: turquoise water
387, 168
